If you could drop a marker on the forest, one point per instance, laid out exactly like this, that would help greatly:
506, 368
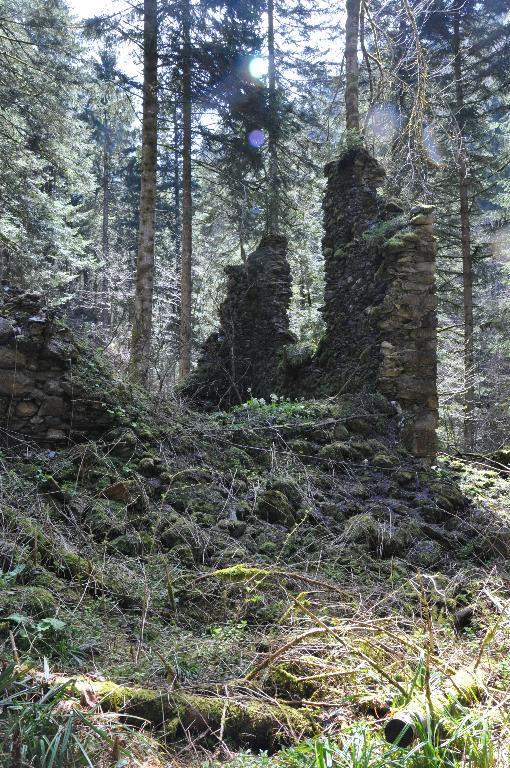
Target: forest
254, 384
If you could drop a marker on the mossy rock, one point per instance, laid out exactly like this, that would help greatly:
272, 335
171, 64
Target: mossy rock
106, 519
124, 491
268, 549
425, 553
360, 491
147, 465
235, 528
193, 476
362, 529
133, 543
283, 682
183, 554
332, 510
30, 600
182, 531
402, 477
339, 451
123, 442
448, 496
494, 543
296, 356
191, 498
394, 244
383, 461
362, 447
360, 426
340, 432
289, 488
382, 539
235, 457
273, 507
303, 448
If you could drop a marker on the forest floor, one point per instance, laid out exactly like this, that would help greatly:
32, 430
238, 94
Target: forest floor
261, 587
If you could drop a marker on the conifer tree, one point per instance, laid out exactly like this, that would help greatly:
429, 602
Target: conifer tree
141, 338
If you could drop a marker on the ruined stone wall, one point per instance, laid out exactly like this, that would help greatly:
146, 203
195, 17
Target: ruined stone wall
41, 393
242, 358
380, 304
408, 327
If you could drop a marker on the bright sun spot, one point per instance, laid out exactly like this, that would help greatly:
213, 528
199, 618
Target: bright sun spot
258, 67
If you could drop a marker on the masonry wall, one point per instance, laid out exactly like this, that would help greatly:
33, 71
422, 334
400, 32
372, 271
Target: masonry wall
380, 304
242, 358
41, 396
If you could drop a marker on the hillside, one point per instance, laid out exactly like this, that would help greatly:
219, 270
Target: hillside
246, 580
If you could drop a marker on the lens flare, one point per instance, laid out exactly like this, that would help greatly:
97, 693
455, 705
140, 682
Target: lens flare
500, 244
431, 144
258, 67
256, 138
383, 121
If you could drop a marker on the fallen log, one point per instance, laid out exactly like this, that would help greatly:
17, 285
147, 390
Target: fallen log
464, 688
254, 724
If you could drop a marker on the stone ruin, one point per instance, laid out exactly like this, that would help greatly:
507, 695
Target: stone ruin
242, 358
380, 317
42, 393
380, 303
379, 311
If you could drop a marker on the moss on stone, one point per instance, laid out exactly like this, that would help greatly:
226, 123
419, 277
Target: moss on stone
410, 237
339, 451
383, 461
31, 600
394, 244
273, 506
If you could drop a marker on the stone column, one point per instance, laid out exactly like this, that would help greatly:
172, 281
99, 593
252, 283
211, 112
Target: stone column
380, 304
408, 326
241, 359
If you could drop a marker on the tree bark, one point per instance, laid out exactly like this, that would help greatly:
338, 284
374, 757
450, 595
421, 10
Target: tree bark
142, 321
177, 191
465, 688
465, 234
273, 207
351, 65
104, 303
187, 211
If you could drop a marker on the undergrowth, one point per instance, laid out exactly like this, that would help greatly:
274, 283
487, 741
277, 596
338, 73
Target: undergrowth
285, 556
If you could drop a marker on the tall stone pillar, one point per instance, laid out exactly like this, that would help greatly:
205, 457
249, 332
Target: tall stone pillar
380, 304
241, 359
408, 327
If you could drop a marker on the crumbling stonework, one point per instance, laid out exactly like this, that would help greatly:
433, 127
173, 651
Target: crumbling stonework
242, 358
408, 327
380, 304
41, 396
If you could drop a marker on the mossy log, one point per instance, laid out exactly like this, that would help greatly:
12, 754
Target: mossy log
253, 724
464, 688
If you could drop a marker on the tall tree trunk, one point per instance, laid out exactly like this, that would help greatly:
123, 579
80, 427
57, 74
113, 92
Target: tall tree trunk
465, 235
351, 65
106, 223
142, 320
187, 211
177, 190
273, 207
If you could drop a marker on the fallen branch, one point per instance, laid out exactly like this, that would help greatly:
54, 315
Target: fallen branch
464, 688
